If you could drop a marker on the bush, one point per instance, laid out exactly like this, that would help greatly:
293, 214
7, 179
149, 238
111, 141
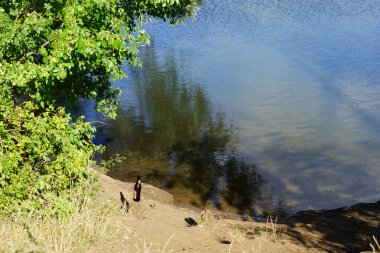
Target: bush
43, 157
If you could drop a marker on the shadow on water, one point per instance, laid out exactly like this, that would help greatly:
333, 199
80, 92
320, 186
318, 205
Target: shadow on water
174, 139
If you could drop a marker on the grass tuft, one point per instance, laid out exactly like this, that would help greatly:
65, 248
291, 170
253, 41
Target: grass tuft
236, 235
146, 248
269, 230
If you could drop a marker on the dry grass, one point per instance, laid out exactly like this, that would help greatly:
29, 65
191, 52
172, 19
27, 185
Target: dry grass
268, 230
236, 235
257, 230
207, 216
228, 234
375, 247
143, 247
88, 225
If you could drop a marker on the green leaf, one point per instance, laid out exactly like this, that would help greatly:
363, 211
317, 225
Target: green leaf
62, 74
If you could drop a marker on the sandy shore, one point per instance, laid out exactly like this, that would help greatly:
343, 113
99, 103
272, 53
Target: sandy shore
156, 225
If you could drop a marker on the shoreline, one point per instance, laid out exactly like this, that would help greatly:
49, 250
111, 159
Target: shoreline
169, 198
344, 229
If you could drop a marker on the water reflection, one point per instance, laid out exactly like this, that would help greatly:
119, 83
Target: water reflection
299, 78
301, 81
173, 137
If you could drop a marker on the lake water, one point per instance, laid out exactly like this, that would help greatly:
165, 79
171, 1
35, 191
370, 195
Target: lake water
256, 105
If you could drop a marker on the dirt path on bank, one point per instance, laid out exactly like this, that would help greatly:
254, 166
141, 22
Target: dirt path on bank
156, 225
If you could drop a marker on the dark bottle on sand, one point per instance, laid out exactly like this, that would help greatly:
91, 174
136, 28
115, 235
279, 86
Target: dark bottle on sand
137, 190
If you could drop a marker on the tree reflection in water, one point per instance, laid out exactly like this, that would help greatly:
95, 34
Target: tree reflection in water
173, 138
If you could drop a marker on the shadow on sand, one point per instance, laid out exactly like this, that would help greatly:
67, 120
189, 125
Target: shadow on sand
346, 229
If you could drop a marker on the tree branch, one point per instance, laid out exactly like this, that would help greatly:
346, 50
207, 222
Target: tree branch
34, 52
24, 58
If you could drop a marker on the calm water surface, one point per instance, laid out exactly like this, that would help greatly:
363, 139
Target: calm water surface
256, 104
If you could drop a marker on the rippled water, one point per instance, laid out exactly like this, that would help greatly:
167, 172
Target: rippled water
255, 103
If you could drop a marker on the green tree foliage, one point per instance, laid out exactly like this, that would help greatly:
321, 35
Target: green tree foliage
54, 52
42, 157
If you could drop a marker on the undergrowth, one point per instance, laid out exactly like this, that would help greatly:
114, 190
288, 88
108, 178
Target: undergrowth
89, 223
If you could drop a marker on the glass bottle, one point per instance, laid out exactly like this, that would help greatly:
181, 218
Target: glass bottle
137, 190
